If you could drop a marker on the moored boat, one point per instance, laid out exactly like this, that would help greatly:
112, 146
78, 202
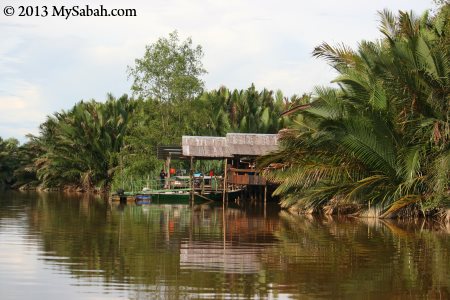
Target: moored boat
174, 195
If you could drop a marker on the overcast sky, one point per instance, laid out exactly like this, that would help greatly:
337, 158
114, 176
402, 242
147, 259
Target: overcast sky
49, 63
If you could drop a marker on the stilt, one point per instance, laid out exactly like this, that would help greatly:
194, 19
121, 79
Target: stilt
166, 183
265, 194
203, 185
224, 181
191, 180
265, 201
224, 226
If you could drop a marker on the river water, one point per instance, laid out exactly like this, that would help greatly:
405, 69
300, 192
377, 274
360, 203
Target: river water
56, 246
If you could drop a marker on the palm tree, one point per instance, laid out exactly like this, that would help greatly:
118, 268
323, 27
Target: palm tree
244, 110
82, 146
382, 137
9, 160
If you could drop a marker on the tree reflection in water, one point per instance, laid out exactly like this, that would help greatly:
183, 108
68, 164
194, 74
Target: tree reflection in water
205, 251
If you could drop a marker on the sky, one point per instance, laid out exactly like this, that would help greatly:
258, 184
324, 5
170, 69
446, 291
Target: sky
47, 64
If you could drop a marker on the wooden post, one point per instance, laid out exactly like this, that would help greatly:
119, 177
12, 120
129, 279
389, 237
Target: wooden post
224, 227
203, 185
191, 179
132, 184
121, 170
265, 194
265, 201
224, 181
167, 172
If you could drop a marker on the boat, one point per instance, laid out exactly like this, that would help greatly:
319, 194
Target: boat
178, 189
143, 199
167, 196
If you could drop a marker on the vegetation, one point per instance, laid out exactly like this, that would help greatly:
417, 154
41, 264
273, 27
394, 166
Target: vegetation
382, 137
215, 113
169, 70
81, 146
245, 111
85, 147
16, 163
8, 163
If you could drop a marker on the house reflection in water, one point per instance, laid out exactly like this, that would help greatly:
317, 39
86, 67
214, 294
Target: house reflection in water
220, 257
239, 248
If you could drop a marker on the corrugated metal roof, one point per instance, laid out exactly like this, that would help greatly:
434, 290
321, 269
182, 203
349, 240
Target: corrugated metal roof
251, 143
205, 146
173, 151
239, 144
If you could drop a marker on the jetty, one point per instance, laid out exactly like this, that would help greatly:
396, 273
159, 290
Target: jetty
237, 151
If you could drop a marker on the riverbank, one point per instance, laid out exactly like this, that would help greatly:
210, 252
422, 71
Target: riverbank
411, 212
66, 188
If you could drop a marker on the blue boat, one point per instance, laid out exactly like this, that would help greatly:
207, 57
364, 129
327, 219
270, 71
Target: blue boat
143, 199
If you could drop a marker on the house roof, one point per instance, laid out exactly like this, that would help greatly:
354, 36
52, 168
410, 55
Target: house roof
205, 146
234, 144
173, 151
251, 144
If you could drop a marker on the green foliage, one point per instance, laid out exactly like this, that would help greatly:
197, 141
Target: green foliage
81, 146
382, 138
8, 160
96, 145
249, 111
169, 71
25, 172
215, 113
16, 162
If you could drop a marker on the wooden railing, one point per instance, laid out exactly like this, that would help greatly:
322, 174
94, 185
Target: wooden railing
245, 177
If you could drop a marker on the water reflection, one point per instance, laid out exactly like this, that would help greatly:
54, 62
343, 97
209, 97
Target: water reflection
237, 247
98, 250
364, 258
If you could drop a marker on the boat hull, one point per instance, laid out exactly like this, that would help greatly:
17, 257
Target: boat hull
167, 197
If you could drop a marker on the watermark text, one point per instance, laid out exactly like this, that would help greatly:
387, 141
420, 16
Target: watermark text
67, 12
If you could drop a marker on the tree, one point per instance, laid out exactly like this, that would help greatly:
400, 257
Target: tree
16, 163
169, 71
441, 3
81, 147
244, 111
8, 160
382, 138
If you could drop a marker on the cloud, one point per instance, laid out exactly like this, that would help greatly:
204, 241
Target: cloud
22, 111
296, 78
48, 64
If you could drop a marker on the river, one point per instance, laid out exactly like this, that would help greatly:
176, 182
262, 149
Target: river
59, 246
